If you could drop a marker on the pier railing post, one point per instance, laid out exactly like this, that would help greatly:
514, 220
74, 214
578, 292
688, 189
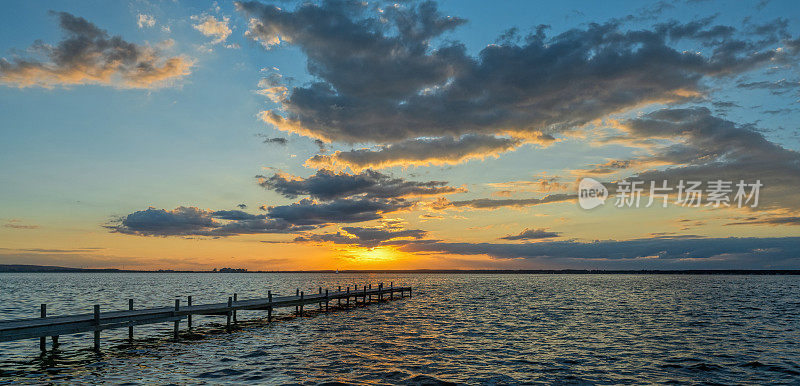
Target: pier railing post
130, 328
189, 317
97, 327
43, 340
228, 314
235, 299
297, 308
320, 303
339, 300
365, 295
177, 322
326, 300
348, 296
269, 309
302, 295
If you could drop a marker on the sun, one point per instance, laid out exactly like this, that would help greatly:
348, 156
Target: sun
375, 254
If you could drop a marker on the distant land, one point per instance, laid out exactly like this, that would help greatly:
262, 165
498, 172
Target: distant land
50, 268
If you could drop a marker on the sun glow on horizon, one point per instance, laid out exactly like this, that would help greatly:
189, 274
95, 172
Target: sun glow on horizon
376, 254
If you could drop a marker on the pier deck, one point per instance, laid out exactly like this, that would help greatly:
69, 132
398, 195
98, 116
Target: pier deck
97, 321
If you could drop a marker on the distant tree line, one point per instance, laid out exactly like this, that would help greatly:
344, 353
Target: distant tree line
230, 270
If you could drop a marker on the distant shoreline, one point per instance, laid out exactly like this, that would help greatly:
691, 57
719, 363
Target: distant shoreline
19, 268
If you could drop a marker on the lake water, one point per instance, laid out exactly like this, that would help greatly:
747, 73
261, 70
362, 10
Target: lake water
462, 328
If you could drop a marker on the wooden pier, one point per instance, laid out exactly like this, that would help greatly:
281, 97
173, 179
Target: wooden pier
97, 321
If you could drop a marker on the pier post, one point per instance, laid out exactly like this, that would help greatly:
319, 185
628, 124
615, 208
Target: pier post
228, 321
302, 295
269, 309
235, 299
320, 303
97, 327
189, 317
177, 322
380, 293
348, 296
340, 299
391, 290
297, 308
326, 300
365, 294
130, 328
43, 340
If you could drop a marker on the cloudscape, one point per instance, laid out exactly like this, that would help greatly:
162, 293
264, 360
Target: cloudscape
407, 135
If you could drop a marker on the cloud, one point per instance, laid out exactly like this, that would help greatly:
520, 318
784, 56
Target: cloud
209, 26
702, 147
532, 234
379, 79
421, 152
88, 55
610, 167
776, 88
277, 141
489, 203
543, 184
192, 221
646, 253
340, 210
329, 185
17, 224
783, 220
144, 20
364, 236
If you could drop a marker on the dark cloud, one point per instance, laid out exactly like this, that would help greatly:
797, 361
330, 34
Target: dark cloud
235, 215
488, 203
329, 185
276, 141
88, 55
779, 87
340, 210
380, 79
782, 220
649, 253
709, 148
364, 236
422, 151
191, 221
301, 216
532, 234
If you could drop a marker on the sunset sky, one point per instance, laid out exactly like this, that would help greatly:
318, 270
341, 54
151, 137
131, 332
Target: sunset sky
383, 135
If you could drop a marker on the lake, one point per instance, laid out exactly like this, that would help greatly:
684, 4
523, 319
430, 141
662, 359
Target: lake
461, 328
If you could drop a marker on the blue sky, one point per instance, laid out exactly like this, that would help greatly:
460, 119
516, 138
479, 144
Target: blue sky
78, 157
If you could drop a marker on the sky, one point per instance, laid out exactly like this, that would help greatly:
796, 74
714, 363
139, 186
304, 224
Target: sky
400, 135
